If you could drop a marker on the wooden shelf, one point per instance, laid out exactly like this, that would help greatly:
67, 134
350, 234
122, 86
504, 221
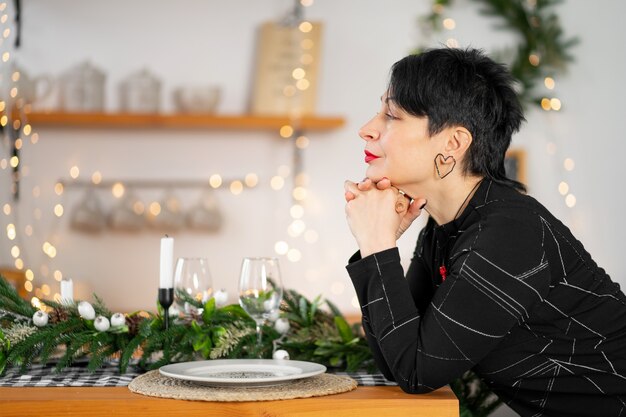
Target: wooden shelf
179, 121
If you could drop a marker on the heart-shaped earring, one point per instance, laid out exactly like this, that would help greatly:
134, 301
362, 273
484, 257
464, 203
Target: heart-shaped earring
445, 160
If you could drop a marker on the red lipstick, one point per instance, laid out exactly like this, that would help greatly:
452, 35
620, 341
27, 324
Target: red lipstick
369, 157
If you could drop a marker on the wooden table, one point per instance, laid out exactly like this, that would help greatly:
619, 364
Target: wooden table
119, 401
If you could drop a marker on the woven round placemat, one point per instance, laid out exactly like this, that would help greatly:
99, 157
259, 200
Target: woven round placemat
156, 385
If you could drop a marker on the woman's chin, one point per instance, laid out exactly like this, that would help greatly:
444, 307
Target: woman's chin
374, 175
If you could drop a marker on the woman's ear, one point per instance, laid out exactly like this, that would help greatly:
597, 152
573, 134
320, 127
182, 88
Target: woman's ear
458, 142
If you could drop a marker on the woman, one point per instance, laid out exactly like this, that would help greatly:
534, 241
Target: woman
497, 284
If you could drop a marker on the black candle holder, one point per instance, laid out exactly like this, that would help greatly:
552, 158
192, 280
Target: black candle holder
166, 298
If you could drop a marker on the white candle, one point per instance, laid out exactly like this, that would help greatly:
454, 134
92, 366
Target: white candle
67, 290
166, 278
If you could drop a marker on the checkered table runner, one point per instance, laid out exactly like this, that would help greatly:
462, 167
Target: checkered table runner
108, 376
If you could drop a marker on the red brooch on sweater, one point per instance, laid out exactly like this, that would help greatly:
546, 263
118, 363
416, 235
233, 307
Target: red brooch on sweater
443, 272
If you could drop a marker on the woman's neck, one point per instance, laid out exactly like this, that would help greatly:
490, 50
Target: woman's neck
447, 198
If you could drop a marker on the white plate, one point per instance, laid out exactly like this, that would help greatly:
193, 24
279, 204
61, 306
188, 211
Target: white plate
242, 372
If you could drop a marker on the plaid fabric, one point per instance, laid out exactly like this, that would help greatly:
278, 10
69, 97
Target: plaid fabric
368, 380
108, 376
75, 376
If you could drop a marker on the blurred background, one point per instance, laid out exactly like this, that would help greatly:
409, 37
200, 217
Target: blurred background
234, 185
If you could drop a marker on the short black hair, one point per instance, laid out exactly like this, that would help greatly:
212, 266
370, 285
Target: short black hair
463, 87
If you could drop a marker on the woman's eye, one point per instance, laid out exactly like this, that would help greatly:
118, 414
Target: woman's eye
390, 116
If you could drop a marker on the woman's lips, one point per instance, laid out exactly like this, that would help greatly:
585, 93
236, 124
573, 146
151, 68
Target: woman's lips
369, 157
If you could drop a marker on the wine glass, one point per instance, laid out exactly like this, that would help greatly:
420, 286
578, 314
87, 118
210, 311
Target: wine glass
192, 281
260, 290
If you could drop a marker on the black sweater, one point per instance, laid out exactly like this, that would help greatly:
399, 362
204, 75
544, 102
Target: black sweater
522, 304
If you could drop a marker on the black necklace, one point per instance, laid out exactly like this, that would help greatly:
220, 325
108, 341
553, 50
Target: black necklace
443, 271
456, 216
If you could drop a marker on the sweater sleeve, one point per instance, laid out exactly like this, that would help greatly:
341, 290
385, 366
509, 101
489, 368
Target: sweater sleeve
497, 272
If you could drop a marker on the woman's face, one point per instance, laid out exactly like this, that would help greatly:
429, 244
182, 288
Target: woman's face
398, 147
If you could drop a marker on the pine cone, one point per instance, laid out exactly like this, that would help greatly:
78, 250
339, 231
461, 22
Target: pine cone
57, 315
133, 323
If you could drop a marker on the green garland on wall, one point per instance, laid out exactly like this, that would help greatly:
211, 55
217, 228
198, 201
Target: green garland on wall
542, 49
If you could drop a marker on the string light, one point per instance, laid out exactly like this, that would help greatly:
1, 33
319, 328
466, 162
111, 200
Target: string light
236, 187
215, 181
277, 182
58, 188
294, 255
96, 177
281, 247
296, 228
303, 84
570, 200
549, 83
449, 23
568, 164
58, 210
7, 209
74, 172
155, 208
251, 180
286, 131
299, 193
296, 211
138, 208
11, 231
563, 188
118, 190
302, 142
452, 43
305, 27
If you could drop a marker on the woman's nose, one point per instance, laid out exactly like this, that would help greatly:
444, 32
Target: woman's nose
369, 132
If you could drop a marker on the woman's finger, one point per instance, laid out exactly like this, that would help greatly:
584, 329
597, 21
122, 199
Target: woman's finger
364, 185
402, 202
383, 184
351, 186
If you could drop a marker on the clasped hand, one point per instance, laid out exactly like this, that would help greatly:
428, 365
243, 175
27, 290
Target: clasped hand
378, 214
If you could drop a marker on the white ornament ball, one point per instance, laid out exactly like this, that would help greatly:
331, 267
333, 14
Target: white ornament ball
40, 318
282, 325
274, 315
221, 297
118, 320
86, 310
281, 354
101, 324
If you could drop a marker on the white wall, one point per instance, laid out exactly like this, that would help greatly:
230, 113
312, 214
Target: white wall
208, 42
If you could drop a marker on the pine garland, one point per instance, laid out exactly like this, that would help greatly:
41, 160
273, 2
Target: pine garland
208, 332
542, 49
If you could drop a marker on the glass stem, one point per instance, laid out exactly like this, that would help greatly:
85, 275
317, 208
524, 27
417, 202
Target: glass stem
259, 323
